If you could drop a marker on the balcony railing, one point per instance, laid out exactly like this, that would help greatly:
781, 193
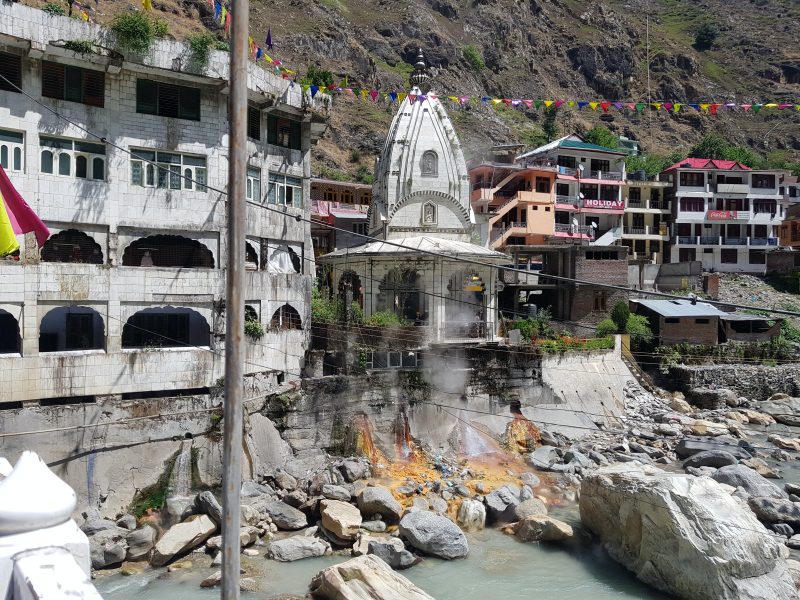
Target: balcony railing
687, 240
610, 175
734, 241
732, 188
579, 230
713, 240
637, 230
471, 330
709, 239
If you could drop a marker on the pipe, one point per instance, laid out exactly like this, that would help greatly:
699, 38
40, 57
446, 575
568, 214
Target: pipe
233, 420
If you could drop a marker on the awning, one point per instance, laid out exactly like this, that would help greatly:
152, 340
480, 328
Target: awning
348, 214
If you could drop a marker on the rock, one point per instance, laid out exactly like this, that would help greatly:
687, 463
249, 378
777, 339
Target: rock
437, 503
701, 427
108, 547
782, 529
792, 488
181, 538
406, 490
688, 447
393, 553
420, 503
647, 519
472, 515
751, 482
177, 509
526, 493
140, 543
711, 458
794, 542
181, 565
794, 571
533, 507
335, 492
784, 443
132, 568
361, 578
374, 526
378, 500
248, 584
712, 399
250, 552
529, 479
251, 489
207, 504
297, 548
756, 417
212, 580
127, 522
285, 516
93, 525
340, 518
434, 534
737, 417
701, 471
544, 458
500, 505
248, 514
541, 528
285, 481
783, 410
772, 510
573, 457
762, 468
352, 470
295, 498
680, 405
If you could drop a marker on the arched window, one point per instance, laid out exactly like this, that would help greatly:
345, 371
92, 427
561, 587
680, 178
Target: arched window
167, 251
4, 157
98, 168
81, 166
250, 257
64, 164
17, 159
73, 328
72, 246
286, 317
188, 177
47, 161
250, 313
9, 333
402, 292
430, 163
284, 259
350, 283
166, 327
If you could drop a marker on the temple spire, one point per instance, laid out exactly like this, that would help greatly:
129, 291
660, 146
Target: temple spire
421, 77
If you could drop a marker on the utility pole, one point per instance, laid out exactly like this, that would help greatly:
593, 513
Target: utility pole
233, 421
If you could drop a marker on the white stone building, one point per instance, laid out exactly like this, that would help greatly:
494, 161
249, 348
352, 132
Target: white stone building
421, 208
126, 299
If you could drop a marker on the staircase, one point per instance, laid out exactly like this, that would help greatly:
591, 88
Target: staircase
609, 237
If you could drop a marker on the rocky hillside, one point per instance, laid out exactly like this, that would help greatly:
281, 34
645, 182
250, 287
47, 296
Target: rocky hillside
556, 49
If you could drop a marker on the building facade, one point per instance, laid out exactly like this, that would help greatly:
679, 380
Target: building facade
343, 205
724, 214
126, 298
645, 228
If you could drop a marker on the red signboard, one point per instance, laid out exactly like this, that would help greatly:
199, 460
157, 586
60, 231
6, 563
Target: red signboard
606, 204
721, 215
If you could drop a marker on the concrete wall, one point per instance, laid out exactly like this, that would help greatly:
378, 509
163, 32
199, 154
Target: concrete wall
754, 382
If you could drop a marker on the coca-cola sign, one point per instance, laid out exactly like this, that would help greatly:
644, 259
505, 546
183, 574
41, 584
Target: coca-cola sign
721, 215
605, 204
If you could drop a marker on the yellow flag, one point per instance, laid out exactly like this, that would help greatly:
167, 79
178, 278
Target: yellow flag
8, 242
496, 100
594, 105
147, 4
676, 107
704, 107
770, 105
401, 96
548, 103
656, 105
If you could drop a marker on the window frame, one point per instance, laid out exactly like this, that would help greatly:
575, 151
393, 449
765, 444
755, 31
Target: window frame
690, 179
69, 75
726, 253
254, 123
11, 69
157, 104
253, 183
278, 186
14, 161
284, 132
72, 151
167, 170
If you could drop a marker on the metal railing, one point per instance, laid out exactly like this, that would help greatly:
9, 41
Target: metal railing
687, 240
565, 228
637, 230
709, 239
734, 241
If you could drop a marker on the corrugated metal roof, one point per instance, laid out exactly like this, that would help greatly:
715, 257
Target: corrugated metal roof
587, 146
421, 244
681, 308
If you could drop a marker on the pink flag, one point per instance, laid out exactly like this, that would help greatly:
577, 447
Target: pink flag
22, 217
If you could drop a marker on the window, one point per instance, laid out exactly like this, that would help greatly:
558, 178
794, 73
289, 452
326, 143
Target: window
758, 257
708, 251
634, 194
672, 320
11, 150
692, 204
254, 184
285, 190
171, 171
430, 164
566, 161
600, 165
692, 180
702, 321
562, 189
59, 155
283, 132
763, 181
253, 123
11, 70
330, 196
166, 100
687, 255
74, 84
346, 197
765, 206
601, 255
600, 300
360, 228
729, 256
543, 185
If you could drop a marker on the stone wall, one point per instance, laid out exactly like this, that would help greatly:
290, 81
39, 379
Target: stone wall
754, 382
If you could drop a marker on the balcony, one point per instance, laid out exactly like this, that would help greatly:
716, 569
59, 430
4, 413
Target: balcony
591, 204
566, 230
734, 241
713, 240
640, 204
732, 188
603, 175
660, 232
710, 239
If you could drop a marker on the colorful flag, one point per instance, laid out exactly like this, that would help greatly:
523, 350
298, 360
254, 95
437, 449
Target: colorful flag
20, 215
147, 4
8, 242
268, 41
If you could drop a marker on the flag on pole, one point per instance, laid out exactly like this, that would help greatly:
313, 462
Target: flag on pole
18, 214
269, 38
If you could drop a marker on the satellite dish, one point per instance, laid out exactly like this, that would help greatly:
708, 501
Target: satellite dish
580, 168
580, 196
575, 222
594, 225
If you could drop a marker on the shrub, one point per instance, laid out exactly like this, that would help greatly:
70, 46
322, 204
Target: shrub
52, 8
356, 313
355, 155
253, 329
602, 136
318, 77
386, 318
200, 47
324, 309
364, 175
474, 57
222, 46
136, 31
705, 36
550, 126
715, 146
80, 46
619, 314
639, 329
606, 327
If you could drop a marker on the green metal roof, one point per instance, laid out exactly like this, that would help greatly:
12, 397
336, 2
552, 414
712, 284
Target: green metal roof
587, 146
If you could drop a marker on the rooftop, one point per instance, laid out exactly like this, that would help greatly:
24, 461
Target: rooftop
708, 164
680, 308
420, 245
571, 142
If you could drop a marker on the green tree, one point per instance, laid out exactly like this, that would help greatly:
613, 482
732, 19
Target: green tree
318, 77
606, 327
619, 314
639, 329
715, 146
705, 36
602, 136
550, 125
652, 164
473, 57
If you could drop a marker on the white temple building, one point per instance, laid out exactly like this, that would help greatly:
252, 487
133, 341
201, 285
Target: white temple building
421, 208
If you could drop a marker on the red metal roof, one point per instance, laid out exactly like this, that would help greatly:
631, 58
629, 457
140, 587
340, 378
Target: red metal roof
708, 164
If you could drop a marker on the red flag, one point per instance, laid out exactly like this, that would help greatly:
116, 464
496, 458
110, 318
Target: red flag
22, 217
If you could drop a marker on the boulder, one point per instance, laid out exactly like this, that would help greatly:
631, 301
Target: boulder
710, 458
680, 405
500, 505
758, 418
533, 507
352, 470
177, 509
285, 481
684, 535
783, 410
544, 458
296, 498
140, 543
541, 528
108, 547
182, 538
792, 444
688, 447
364, 577
207, 504
249, 515
437, 503
753, 484
285, 516
251, 489
376, 526
530, 479
340, 518
712, 399
296, 548
772, 510
335, 492
393, 553
379, 501
708, 428
127, 522
471, 515
434, 534
212, 580
94, 525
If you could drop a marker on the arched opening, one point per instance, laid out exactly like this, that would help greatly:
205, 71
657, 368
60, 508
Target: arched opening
167, 251
250, 257
71, 328
286, 317
430, 163
350, 289
166, 327
284, 259
401, 292
465, 313
72, 246
250, 313
10, 339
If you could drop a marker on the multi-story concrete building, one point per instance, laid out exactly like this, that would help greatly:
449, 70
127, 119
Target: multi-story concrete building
588, 188
342, 204
126, 299
790, 188
790, 228
725, 214
646, 223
